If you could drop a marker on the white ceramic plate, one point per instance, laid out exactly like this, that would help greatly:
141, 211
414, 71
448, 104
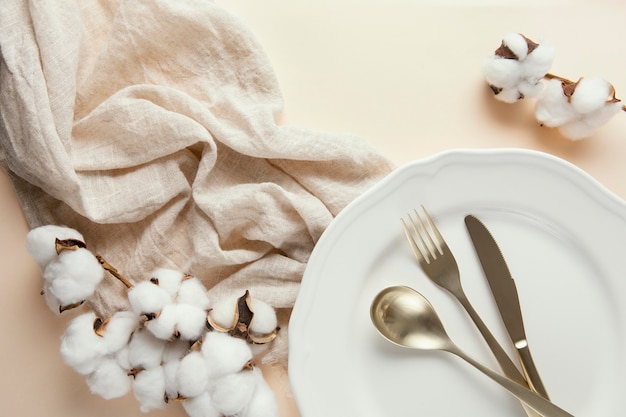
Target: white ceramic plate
564, 238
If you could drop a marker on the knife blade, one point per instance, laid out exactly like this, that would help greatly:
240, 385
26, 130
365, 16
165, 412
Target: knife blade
505, 294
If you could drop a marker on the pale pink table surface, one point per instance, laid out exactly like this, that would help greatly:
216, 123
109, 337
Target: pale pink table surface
402, 74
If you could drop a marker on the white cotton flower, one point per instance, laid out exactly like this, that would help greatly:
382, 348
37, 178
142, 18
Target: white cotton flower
263, 402
40, 242
148, 298
515, 70
145, 350
192, 291
109, 380
225, 354
149, 389
193, 375
264, 320
73, 276
168, 279
231, 393
81, 347
201, 406
590, 104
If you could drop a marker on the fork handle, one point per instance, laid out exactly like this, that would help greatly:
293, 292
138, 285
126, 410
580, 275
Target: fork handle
505, 362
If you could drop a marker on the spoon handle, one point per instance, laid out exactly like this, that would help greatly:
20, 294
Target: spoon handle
533, 400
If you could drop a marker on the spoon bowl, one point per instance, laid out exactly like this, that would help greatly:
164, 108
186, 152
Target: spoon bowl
406, 318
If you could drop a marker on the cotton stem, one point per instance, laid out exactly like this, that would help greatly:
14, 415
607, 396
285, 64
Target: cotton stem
550, 76
109, 268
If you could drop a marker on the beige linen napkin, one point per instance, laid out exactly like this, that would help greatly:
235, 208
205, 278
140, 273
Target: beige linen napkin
150, 126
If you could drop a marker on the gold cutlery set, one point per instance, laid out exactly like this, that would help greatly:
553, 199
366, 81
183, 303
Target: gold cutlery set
406, 318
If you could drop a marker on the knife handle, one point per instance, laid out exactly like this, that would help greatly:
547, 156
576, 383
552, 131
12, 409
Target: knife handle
530, 371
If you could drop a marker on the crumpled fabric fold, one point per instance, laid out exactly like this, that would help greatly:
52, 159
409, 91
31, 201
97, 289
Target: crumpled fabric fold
151, 127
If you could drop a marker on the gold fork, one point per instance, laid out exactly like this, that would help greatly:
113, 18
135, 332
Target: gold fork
439, 265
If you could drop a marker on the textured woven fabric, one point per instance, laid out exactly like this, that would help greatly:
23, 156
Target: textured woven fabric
150, 127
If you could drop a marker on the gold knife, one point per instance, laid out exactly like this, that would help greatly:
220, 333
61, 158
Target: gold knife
505, 294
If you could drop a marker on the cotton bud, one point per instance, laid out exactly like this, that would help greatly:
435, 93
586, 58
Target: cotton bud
263, 402
145, 350
40, 242
193, 292
148, 298
73, 276
149, 389
109, 380
516, 68
577, 109
225, 354
81, 347
231, 393
168, 279
201, 406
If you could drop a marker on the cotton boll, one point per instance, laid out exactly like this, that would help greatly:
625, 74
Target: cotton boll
231, 393
576, 130
168, 279
225, 354
122, 357
192, 291
193, 375
80, 345
145, 350
509, 95
263, 402
118, 330
109, 380
528, 89
149, 389
264, 320
40, 242
552, 108
223, 312
175, 350
191, 322
538, 62
148, 298
170, 372
164, 326
590, 94
501, 72
52, 302
73, 275
200, 406
517, 44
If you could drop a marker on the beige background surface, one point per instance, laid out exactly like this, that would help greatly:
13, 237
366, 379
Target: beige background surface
402, 74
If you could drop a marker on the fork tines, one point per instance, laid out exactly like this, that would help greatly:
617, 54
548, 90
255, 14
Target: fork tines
429, 241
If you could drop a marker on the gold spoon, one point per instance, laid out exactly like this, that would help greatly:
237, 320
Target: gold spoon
404, 317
